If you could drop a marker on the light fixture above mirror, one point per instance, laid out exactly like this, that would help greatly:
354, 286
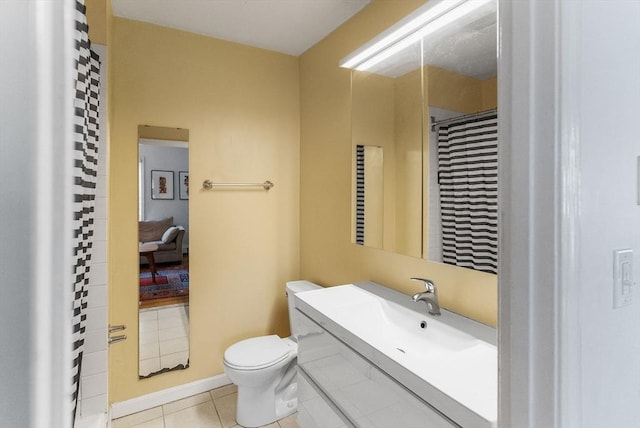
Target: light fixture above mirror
422, 23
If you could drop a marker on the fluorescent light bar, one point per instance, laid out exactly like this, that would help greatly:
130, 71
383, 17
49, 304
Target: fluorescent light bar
411, 31
399, 31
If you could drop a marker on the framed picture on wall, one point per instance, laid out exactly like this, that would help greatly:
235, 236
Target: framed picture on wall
161, 184
183, 184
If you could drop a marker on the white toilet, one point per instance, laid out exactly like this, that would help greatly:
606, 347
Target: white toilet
264, 369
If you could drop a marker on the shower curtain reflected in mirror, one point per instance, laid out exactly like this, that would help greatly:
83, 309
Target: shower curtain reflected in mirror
468, 184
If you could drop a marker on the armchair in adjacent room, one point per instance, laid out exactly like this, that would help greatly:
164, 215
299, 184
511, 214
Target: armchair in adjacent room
166, 235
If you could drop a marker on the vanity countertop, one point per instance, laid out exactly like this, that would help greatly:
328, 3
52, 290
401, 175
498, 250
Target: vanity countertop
450, 364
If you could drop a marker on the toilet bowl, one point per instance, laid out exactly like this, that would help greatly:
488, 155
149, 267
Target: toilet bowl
264, 369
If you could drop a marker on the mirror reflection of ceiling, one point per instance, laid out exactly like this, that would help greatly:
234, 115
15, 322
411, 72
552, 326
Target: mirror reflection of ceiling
468, 47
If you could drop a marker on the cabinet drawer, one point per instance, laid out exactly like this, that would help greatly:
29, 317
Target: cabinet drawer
315, 410
366, 396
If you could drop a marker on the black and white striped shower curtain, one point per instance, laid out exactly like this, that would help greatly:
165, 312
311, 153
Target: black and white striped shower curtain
360, 194
468, 179
85, 171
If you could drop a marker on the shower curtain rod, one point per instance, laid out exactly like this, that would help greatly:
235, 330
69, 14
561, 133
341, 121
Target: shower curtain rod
435, 123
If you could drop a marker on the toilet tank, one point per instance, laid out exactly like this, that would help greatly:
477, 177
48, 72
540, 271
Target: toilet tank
294, 287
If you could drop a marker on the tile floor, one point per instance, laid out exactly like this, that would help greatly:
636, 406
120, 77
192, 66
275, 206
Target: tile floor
213, 409
164, 337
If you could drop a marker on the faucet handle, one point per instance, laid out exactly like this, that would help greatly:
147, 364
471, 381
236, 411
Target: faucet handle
428, 284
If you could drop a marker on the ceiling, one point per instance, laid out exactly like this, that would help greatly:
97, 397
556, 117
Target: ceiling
287, 26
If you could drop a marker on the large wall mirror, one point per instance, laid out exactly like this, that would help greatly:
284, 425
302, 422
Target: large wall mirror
387, 120
424, 136
163, 246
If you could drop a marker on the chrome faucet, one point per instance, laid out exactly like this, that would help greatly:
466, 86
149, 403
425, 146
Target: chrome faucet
429, 296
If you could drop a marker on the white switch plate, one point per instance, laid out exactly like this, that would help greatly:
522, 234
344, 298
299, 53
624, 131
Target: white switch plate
622, 278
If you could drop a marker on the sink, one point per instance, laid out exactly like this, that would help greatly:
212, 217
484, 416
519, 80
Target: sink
421, 332
450, 360
386, 323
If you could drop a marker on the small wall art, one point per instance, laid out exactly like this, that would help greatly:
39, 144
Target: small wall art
161, 184
183, 184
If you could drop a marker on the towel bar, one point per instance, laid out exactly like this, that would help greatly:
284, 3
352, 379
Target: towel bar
209, 185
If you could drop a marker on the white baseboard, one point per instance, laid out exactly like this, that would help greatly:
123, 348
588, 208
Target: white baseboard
144, 402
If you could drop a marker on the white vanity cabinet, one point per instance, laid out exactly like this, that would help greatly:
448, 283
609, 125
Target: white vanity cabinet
337, 387
370, 357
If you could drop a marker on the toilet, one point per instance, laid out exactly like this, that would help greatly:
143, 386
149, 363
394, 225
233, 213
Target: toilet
264, 369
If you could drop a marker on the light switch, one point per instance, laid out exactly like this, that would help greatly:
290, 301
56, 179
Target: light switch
622, 278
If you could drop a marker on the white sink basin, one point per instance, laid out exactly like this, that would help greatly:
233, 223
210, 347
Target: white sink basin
421, 332
449, 357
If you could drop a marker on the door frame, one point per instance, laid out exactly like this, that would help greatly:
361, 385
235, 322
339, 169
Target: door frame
539, 276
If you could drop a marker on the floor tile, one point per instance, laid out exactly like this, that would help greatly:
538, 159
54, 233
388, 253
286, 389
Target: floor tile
138, 418
186, 402
173, 333
148, 336
173, 360
172, 311
212, 409
151, 365
226, 407
172, 346
148, 315
202, 415
290, 421
148, 325
148, 350
154, 423
224, 390
170, 322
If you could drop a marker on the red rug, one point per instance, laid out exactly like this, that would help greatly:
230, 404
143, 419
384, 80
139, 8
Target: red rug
169, 283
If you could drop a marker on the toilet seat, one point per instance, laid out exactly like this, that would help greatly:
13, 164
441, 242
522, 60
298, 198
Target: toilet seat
257, 353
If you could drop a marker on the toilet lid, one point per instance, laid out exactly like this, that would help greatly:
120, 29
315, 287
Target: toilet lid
257, 352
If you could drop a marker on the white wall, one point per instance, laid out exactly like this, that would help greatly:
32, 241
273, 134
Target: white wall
36, 117
16, 212
569, 104
610, 144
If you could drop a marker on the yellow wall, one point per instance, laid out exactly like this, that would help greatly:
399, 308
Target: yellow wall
490, 93
327, 254
409, 164
252, 115
387, 112
373, 123
97, 20
241, 107
457, 92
